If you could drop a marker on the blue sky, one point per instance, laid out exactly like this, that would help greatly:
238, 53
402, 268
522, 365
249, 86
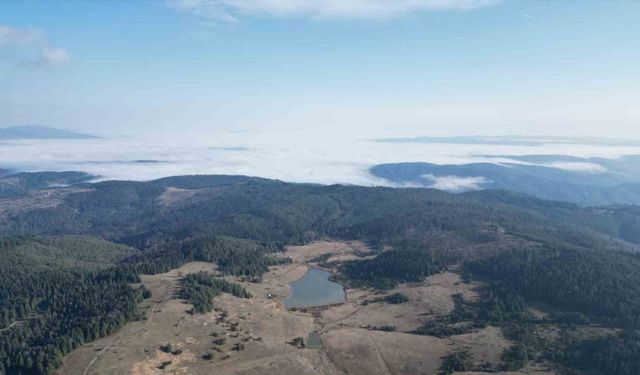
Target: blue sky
356, 67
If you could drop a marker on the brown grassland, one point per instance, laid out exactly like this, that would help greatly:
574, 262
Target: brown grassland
257, 332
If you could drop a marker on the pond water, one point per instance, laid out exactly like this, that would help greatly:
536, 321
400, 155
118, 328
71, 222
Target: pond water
314, 289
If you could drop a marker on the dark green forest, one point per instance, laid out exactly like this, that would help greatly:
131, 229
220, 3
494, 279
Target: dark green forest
59, 273
392, 267
199, 289
51, 303
604, 286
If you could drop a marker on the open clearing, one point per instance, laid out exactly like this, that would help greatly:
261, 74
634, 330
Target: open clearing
262, 329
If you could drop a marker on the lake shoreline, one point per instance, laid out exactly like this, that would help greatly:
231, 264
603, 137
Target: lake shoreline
312, 280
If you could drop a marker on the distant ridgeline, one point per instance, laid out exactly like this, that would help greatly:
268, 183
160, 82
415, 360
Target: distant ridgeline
40, 132
585, 181
62, 257
13, 185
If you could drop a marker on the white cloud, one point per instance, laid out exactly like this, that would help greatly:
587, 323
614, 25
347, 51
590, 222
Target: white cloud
577, 167
35, 51
456, 184
10, 36
49, 57
230, 10
295, 157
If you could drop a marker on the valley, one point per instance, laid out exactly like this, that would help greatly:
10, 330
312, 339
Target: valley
319, 187
190, 274
266, 329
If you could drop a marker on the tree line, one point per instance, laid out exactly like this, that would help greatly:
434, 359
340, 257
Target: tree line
199, 289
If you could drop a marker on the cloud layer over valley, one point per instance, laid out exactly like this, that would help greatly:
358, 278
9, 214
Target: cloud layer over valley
287, 157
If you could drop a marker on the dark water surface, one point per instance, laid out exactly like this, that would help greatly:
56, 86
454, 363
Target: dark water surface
314, 289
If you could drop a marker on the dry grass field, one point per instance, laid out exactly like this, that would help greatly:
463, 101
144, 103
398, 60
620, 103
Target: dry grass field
252, 336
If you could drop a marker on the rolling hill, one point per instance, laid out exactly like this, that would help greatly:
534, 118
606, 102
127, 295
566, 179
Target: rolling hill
592, 182
521, 246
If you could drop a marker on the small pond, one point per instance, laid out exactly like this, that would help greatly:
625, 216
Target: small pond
314, 289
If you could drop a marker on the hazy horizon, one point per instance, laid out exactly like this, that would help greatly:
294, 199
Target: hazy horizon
301, 90
366, 68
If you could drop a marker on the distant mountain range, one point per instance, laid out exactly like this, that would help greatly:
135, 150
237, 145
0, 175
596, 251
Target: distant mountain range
40, 132
512, 140
585, 181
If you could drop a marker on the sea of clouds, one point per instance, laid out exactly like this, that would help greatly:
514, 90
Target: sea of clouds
285, 156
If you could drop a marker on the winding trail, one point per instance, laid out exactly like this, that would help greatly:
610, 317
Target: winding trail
95, 358
115, 342
11, 325
385, 366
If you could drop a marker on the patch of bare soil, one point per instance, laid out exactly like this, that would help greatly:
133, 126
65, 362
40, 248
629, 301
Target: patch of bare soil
337, 250
173, 196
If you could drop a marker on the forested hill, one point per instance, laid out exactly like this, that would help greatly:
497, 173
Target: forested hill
13, 185
236, 222
617, 221
272, 210
609, 182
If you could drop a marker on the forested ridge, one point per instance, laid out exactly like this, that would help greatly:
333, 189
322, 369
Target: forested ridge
269, 210
14, 185
581, 260
617, 183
